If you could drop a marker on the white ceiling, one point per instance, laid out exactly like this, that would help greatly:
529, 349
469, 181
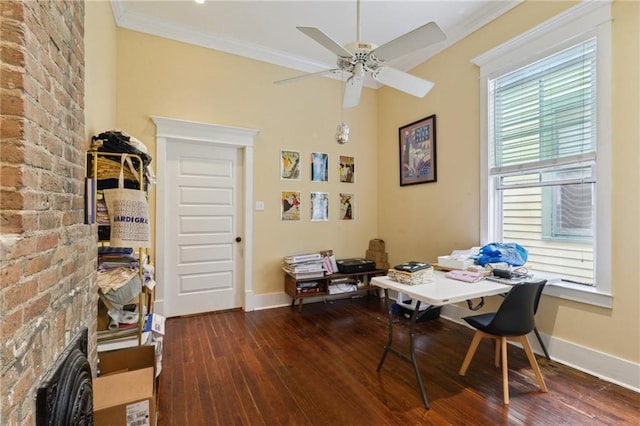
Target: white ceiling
266, 29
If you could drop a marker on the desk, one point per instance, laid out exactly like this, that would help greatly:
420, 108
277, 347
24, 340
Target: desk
441, 291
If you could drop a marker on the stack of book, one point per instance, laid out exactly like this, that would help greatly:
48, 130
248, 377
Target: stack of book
303, 266
307, 287
412, 273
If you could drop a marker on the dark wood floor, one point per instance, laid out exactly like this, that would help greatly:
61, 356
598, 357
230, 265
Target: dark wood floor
280, 367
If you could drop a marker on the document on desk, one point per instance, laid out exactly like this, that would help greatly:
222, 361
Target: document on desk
442, 290
466, 276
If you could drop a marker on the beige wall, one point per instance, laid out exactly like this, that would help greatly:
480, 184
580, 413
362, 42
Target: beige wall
445, 215
176, 80
100, 68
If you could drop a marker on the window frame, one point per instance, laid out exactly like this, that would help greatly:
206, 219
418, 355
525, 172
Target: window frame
579, 23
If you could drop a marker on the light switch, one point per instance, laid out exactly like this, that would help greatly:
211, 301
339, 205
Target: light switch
260, 205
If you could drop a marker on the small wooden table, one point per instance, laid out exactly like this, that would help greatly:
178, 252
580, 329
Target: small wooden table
321, 289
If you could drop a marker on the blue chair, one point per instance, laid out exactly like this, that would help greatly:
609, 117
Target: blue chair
513, 321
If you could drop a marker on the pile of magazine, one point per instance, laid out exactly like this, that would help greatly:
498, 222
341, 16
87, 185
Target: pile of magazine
303, 266
412, 273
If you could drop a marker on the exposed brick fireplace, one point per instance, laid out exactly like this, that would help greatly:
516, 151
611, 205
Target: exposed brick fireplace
47, 278
65, 395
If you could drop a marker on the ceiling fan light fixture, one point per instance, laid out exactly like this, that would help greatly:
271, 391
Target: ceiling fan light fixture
342, 133
361, 58
358, 70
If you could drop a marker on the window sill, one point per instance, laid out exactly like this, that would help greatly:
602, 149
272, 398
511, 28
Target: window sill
578, 293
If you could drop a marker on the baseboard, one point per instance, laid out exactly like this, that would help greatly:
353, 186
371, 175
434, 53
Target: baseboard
604, 366
270, 300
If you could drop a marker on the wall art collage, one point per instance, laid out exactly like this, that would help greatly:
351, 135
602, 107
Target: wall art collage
291, 169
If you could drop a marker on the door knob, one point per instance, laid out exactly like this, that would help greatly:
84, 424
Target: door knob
238, 239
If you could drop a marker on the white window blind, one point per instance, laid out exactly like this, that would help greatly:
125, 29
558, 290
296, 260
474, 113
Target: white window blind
545, 113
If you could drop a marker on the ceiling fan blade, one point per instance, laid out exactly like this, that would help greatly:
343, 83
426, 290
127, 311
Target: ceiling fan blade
326, 41
352, 90
402, 81
413, 40
305, 76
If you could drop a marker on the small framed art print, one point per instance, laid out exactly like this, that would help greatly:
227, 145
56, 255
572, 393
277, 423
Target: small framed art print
289, 164
319, 206
319, 167
347, 206
290, 201
347, 169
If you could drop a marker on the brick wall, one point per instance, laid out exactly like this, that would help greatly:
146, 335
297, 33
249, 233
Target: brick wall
47, 276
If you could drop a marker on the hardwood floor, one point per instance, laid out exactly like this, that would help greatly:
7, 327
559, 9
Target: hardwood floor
280, 367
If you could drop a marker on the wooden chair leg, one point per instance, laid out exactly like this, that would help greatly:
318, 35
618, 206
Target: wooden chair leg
496, 361
534, 364
470, 352
505, 370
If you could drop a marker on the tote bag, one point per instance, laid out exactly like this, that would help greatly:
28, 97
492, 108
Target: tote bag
128, 214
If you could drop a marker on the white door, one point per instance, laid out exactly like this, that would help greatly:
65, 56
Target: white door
203, 242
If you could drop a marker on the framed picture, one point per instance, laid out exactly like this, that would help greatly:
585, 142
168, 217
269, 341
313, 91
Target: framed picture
417, 143
347, 206
347, 169
290, 201
319, 206
319, 167
289, 164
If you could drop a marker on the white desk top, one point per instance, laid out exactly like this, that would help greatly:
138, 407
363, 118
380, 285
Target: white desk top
442, 290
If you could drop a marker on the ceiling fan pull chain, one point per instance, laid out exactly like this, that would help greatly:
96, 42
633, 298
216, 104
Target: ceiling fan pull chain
359, 35
342, 132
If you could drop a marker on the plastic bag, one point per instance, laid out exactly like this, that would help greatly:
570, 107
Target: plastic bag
511, 253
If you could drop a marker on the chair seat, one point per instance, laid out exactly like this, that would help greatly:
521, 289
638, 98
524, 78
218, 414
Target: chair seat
483, 322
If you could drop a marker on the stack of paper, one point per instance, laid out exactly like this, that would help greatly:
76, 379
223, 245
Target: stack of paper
303, 266
412, 273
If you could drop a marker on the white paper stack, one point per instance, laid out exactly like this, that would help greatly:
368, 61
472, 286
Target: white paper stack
303, 266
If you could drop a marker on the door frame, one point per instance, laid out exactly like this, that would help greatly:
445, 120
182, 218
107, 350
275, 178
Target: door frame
170, 130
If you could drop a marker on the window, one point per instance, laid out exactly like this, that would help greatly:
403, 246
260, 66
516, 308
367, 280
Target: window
545, 159
542, 146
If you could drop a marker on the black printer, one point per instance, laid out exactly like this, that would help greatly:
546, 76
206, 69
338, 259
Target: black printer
349, 266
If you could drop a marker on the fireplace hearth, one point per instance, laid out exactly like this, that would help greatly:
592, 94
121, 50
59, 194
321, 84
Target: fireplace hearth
65, 396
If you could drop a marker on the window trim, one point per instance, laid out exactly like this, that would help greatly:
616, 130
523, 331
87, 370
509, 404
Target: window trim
587, 19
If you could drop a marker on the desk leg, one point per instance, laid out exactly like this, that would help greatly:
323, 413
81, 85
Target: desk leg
390, 339
412, 354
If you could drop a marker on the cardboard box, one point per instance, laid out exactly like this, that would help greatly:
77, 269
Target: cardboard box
382, 265
377, 256
124, 393
376, 245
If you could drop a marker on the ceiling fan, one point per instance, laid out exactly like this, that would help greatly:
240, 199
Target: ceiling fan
360, 58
